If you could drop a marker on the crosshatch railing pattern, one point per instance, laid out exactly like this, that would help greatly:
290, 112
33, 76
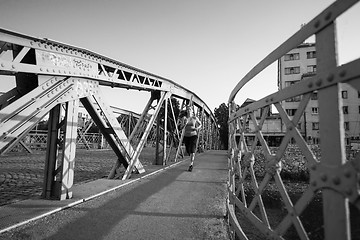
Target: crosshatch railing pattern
331, 192
37, 141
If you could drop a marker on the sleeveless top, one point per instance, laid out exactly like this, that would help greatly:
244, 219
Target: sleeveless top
190, 127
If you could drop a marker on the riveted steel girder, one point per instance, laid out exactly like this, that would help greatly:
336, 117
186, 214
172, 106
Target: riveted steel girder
59, 59
49, 74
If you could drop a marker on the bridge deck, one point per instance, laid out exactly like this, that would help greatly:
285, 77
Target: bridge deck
164, 203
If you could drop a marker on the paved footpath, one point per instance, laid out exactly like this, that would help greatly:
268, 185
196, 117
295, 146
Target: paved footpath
164, 203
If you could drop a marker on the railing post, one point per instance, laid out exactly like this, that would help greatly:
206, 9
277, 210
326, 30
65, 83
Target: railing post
335, 206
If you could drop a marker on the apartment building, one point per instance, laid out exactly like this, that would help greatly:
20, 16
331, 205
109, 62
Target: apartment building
299, 64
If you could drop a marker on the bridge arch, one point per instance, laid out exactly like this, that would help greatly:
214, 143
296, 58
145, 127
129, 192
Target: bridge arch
54, 78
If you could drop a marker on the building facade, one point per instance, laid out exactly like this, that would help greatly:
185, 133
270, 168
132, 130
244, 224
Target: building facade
299, 64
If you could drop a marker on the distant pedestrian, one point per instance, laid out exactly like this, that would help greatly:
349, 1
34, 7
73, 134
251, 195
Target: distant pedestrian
192, 126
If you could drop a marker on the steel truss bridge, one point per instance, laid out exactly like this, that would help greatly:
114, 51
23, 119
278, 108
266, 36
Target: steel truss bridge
332, 177
53, 78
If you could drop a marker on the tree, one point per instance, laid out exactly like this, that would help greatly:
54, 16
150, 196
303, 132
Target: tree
222, 116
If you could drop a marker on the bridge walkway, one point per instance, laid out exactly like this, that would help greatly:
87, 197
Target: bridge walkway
165, 203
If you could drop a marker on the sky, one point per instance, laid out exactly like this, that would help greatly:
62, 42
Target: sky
207, 46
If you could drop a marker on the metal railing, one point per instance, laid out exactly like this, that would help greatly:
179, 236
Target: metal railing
329, 194
37, 141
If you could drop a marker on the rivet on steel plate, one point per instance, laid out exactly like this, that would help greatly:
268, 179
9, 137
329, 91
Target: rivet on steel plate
317, 24
336, 180
323, 177
328, 16
330, 78
347, 173
342, 73
319, 82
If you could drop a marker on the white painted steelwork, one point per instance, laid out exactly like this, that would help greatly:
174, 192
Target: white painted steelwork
333, 179
52, 77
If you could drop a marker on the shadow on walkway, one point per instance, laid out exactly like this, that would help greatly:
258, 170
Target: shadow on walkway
173, 204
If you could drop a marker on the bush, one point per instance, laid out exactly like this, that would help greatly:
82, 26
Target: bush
294, 164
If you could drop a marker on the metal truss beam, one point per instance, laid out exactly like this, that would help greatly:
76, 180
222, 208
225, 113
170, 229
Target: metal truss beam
59, 59
50, 75
160, 98
102, 115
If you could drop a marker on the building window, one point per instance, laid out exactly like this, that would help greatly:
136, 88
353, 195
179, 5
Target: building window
311, 54
347, 126
290, 112
359, 109
315, 126
292, 70
292, 56
314, 96
289, 83
345, 110
311, 68
315, 110
294, 99
344, 94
